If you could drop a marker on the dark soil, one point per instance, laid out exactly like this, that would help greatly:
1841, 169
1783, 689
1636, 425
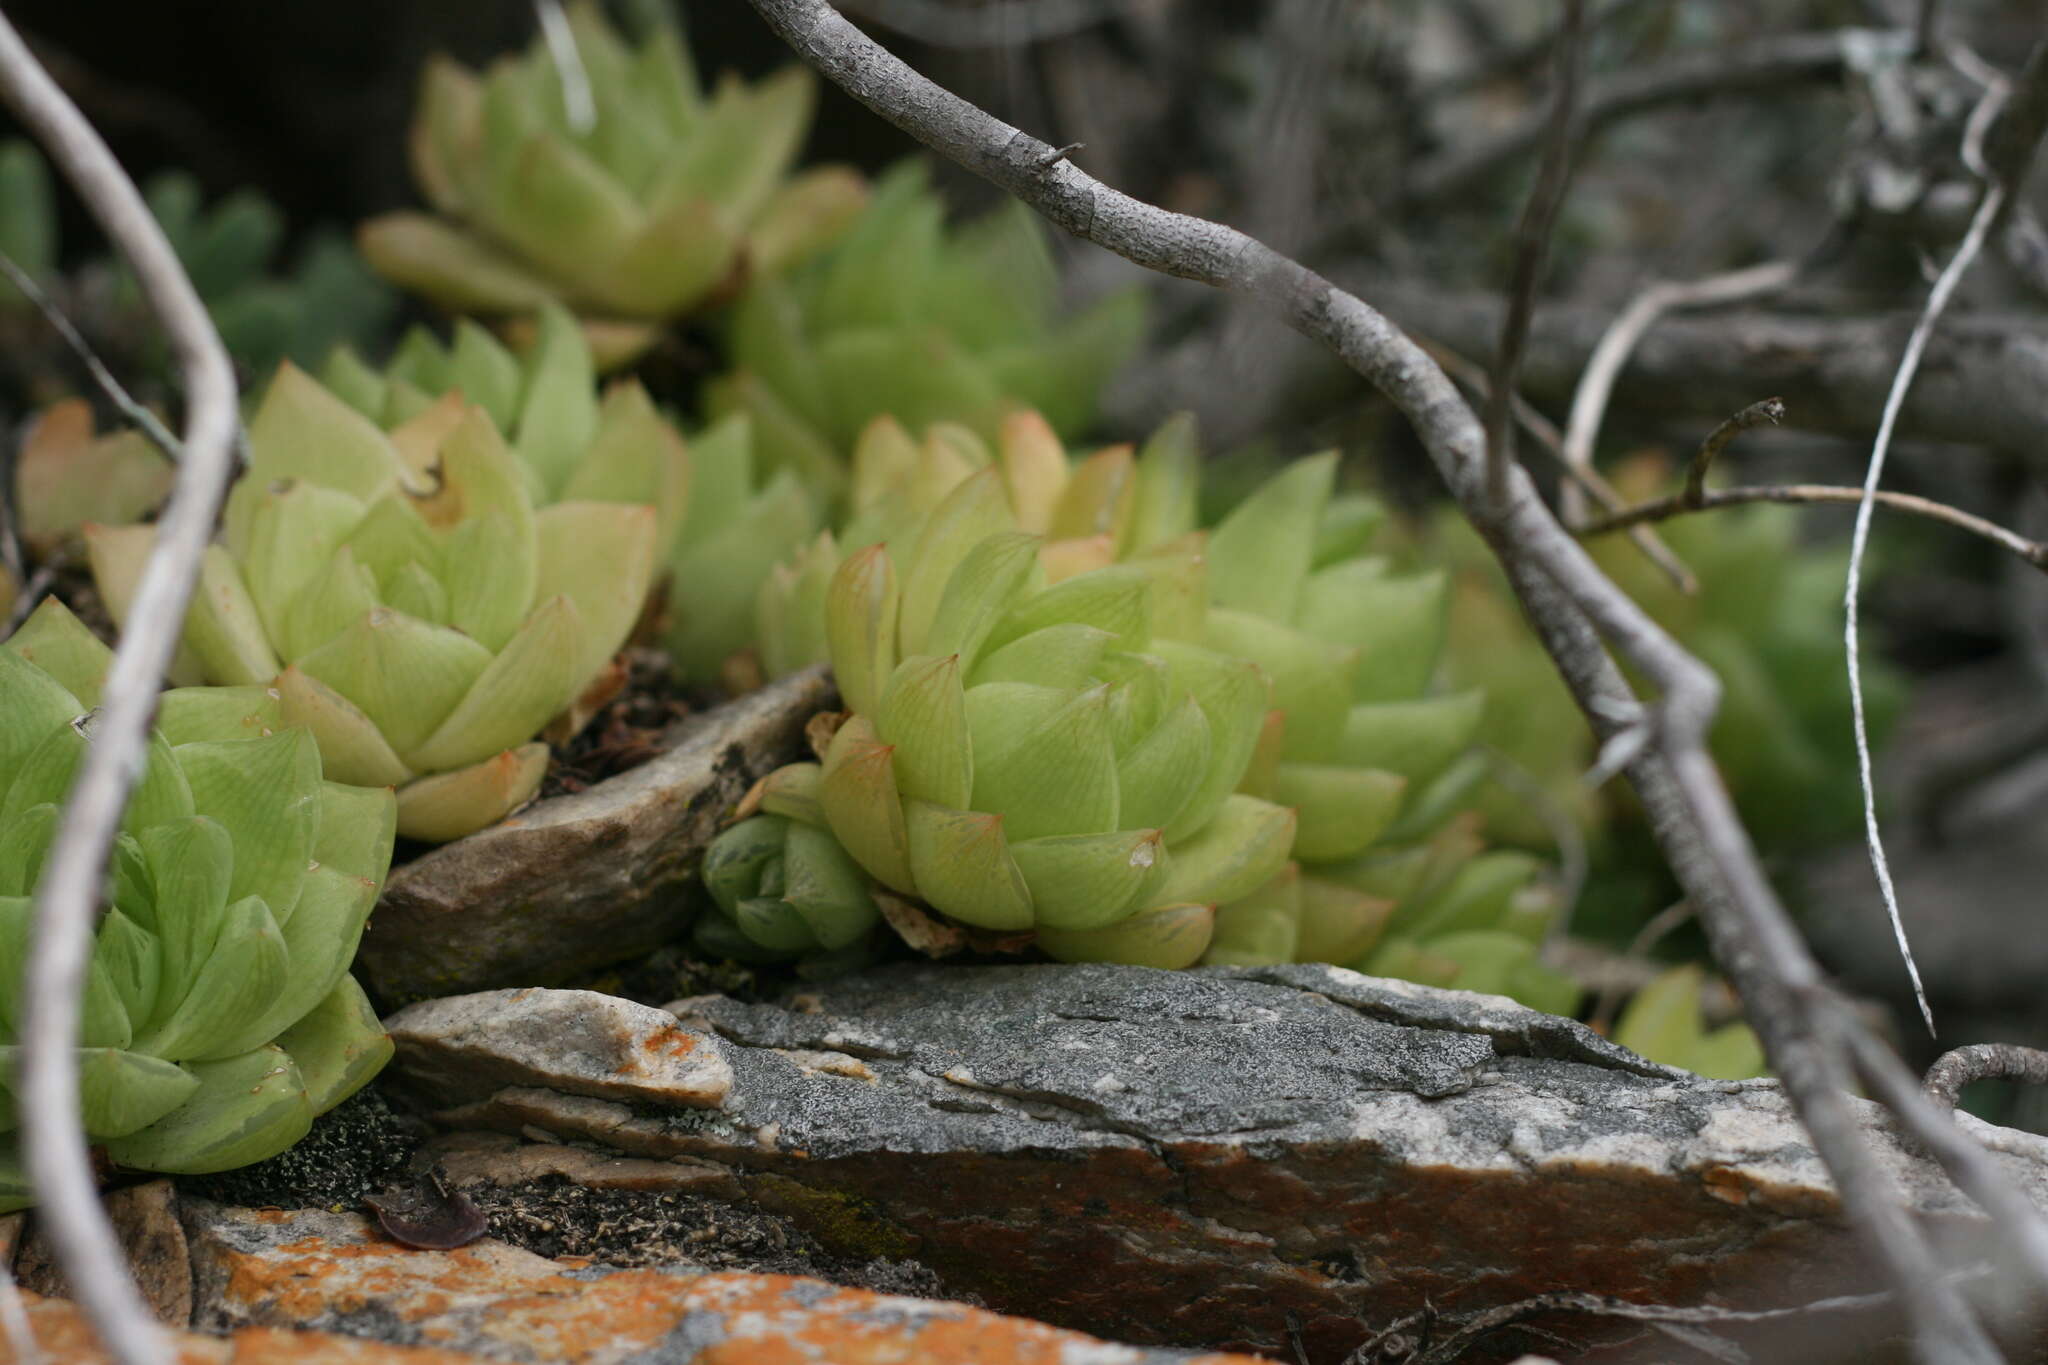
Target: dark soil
365, 1145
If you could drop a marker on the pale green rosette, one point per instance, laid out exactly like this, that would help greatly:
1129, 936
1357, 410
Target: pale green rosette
219, 1017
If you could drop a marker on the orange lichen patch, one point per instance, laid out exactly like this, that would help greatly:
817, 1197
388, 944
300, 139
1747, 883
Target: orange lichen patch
275, 1346
300, 1280
62, 1334
576, 1320
783, 1320
1726, 1184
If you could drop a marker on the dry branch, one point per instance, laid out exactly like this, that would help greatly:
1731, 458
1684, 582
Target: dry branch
1798, 59
1811, 1034
67, 897
1984, 380
1983, 1062
2033, 552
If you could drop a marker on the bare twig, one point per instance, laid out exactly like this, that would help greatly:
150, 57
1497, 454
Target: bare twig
1807, 1028
68, 893
1588, 480
569, 69
1610, 357
1958, 1067
1859, 539
1663, 922
158, 434
1532, 248
1984, 380
1793, 59
2033, 552
1771, 410
1565, 834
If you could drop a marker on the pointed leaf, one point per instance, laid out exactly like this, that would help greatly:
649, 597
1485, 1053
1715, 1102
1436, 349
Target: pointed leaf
1086, 881
961, 861
861, 803
520, 690
1172, 937
923, 715
449, 805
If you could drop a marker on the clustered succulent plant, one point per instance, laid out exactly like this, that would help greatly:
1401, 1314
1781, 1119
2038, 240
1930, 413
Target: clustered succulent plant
405, 598
1027, 752
219, 1017
577, 445
267, 309
1380, 866
907, 318
637, 218
1766, 618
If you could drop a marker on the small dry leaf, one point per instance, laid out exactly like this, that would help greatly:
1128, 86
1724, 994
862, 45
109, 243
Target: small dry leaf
429, 1216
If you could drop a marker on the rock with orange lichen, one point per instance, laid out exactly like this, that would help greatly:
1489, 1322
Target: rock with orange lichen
270, 1269
1210, 1158
62, 1335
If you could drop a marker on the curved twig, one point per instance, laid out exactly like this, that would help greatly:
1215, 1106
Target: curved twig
1532, 246
2033, 552
1958, 1067
1805, 1025
1618, 343
61, 944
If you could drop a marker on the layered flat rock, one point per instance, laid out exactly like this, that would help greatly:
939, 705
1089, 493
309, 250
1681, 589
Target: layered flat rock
576, 882
1215, 1158
258, 1269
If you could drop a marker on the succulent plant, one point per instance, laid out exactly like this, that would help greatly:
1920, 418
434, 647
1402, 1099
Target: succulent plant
406, 600
1665, 1023
640, 217
1766, 618
266, 309
1025, 752
906, 318
266, 313
219, 1017
1376, 763
577, 445
66, 475
782, 886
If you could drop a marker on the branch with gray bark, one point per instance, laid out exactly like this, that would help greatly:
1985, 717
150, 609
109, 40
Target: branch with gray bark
68, 893
1809, 1031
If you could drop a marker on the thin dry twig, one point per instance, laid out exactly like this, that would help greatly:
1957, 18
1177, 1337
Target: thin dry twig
67, 896
1618, 343
577, 100
1770, 411
1588, 480
158, 434
1671, 917
1966, 252
2033, 552
1532, 248
1958, 1067
1807, 1027
1791, 59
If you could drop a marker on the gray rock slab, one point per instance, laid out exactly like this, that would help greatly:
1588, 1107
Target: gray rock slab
1203, 1158
576, 882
